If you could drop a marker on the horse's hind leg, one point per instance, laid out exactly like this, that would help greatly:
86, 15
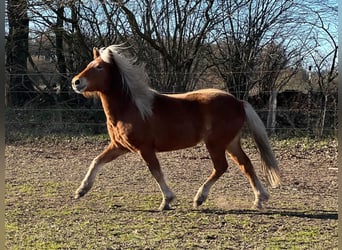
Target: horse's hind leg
241, 159
109, 154
218, 157
154, 167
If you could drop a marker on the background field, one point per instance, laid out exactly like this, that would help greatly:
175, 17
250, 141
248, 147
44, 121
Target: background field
120, 212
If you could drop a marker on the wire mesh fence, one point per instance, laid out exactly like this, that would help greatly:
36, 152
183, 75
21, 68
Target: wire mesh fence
298, 113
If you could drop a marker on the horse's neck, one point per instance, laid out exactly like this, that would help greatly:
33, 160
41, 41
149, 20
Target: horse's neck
115, 105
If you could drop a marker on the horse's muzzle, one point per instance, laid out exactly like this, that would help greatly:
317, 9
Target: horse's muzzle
78, 85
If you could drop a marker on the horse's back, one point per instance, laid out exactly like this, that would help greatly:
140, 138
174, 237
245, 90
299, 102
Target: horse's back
198, 103
200, 94
213, 102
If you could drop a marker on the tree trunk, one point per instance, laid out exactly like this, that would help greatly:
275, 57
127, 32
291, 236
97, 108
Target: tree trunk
20, 86
61, 64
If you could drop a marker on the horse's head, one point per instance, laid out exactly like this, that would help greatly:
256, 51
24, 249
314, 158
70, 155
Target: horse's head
95, 77
110, 72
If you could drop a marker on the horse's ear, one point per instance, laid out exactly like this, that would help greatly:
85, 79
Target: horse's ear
96, 53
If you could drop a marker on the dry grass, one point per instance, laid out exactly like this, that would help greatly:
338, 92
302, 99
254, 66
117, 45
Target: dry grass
120, 211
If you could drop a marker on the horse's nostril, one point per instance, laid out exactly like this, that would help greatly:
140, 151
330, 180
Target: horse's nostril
77, 85
76, 82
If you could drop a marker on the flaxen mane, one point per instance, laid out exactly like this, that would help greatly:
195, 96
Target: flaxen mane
134, 78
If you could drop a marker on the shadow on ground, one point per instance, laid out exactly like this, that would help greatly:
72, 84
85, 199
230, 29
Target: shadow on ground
310, 214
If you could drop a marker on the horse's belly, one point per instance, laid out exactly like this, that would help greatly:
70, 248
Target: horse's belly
171, 140
174, 146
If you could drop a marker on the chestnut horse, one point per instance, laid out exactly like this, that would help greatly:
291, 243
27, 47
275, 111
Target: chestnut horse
143, 121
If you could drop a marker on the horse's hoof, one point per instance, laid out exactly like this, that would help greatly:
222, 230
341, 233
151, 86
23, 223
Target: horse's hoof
198, 203
164, 207
80, 193
257, 205
264, 197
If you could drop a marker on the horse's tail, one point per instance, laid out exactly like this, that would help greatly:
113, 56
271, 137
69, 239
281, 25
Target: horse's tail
269, 162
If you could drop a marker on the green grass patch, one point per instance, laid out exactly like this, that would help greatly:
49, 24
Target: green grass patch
296, 238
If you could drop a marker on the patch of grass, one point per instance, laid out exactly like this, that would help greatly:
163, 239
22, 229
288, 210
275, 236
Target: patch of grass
304, 142
295, 239
120, 212
297, 143
23, 137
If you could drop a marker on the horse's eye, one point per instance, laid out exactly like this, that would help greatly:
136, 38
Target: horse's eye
99, 67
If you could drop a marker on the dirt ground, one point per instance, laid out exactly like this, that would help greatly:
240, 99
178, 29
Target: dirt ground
120, 212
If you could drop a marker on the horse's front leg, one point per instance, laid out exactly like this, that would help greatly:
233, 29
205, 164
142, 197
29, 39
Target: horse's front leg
152, 162
109, 154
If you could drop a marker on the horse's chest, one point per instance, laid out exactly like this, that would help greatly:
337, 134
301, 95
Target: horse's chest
124, 136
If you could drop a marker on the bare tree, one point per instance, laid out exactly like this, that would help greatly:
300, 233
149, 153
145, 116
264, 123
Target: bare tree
246, 28
325, 65
177, 32
253, 44
278, 64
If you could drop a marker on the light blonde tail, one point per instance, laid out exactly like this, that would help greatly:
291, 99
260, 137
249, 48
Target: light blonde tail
269, 162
